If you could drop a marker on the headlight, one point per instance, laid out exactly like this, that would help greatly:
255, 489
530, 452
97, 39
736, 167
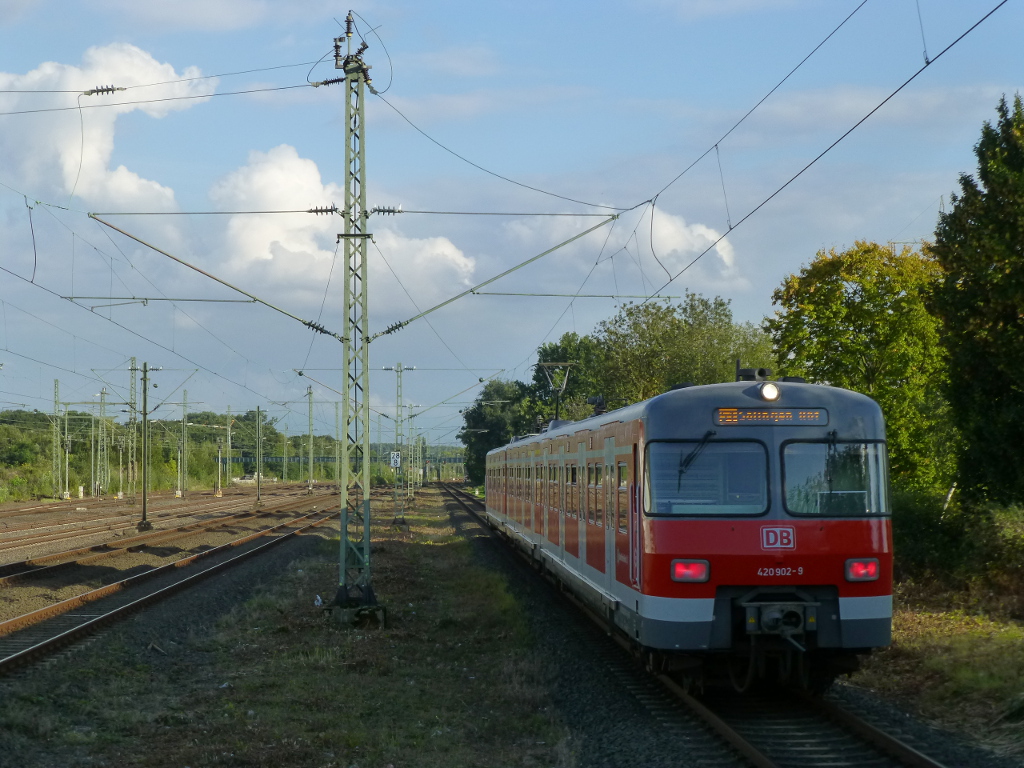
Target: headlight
770, 391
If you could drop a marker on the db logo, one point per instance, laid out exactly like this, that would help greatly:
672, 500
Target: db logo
782, 537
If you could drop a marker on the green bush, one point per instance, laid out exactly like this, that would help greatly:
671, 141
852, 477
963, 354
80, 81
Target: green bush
952, 545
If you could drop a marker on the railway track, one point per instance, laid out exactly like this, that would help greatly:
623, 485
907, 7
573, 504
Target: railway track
38, 634
46, 531
46, 565
783, 730
97, 509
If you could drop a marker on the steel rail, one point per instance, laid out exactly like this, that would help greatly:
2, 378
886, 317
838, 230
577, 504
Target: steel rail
278, 506
719, 726
58, 505
35, 567
102, 511
56, 609
47, 536
886, 743
66, 637
40, 522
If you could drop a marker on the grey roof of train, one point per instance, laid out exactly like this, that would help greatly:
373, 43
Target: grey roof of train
843, 405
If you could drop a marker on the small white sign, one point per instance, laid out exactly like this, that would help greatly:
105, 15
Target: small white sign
396, 459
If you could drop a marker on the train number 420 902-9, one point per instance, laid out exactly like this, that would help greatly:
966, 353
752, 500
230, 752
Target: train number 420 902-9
779, 571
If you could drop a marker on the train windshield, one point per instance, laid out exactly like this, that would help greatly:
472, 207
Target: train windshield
835, 479
706, 478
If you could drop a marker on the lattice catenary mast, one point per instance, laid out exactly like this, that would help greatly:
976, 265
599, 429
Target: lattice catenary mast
355, 585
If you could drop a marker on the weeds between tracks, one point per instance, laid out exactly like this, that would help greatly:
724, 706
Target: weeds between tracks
274, 682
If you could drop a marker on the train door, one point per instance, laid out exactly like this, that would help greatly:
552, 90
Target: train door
553, 491
623, 482
539, 482
635, 555
572, 497
610, 522
581, 501
504, 485
596, 545
561, 503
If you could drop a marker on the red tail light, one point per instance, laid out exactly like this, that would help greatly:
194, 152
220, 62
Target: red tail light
690, 570
863, 569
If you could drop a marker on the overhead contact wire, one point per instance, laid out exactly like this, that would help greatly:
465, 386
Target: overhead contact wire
157, 101
165, 82
308, 323
507, 272
763, 98
416, 306
490, 172
831, 146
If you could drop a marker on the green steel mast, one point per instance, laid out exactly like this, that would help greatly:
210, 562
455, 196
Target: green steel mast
355, 585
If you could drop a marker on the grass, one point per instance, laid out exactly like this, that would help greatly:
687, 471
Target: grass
955, 664
449, 682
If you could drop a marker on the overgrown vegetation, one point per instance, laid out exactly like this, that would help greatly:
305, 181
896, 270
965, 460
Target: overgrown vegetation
956, 666
28, 440
450, 682
642, 351
936, 336
979, 245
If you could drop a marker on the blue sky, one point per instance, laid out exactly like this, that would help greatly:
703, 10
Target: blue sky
597, 101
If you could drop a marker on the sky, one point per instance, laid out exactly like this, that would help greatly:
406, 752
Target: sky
491, 117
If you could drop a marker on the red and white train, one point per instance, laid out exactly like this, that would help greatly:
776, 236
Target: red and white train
737, 530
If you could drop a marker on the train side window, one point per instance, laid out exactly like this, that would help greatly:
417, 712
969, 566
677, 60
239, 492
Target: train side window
599, 494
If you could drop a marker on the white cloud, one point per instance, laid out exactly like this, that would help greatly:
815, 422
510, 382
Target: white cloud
293, 253
677, 244
53, 153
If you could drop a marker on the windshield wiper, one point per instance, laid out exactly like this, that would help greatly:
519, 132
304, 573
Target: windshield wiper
830, 457
686, 461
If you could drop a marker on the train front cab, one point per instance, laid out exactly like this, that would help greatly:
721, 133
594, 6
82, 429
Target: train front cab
766, 541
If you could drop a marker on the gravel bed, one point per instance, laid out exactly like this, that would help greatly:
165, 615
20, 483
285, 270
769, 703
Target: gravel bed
948, 748
616, 717
162, 637
239, 503
38, 592
619, 720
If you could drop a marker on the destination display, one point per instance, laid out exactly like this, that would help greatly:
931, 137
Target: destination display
770, 417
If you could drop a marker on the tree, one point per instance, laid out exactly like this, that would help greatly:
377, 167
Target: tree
858, 319
579, 380
498, 414
650, 347
980, 300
